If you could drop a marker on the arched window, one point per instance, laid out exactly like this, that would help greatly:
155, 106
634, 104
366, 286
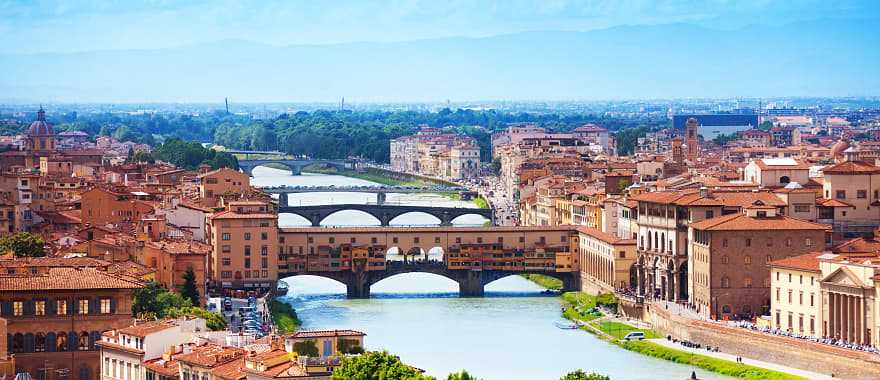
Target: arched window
84, 373
725, 282
747, 260
725, 259
747, 282
61, 341
18, 343
784, 179
84, 341
39, 342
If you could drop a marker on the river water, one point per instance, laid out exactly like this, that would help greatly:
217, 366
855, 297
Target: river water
508, 335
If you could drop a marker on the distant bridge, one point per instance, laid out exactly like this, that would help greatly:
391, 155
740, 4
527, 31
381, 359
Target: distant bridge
471, 283
295, 164
383, 212
380, 191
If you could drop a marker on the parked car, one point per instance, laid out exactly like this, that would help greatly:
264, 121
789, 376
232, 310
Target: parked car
635, 335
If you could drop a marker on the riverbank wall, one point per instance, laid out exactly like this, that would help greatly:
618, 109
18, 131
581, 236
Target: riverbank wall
797, 353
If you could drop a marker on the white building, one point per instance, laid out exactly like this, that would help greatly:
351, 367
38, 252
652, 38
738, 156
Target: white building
124, 351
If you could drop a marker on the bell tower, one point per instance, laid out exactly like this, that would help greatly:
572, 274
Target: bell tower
690, 134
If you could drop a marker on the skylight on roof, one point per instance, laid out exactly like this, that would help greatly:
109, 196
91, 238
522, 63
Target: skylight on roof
780, 161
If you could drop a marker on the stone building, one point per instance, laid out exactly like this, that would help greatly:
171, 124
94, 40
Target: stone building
606, 262
56, 315
729, 256
244, 240
433, 153
222, 182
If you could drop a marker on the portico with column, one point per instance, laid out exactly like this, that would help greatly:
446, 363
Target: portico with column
848, 315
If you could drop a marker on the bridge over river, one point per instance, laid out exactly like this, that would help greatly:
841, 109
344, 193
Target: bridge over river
380, 191
295, 165
383, 212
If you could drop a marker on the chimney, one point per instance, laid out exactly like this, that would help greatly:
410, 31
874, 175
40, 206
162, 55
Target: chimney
705, 192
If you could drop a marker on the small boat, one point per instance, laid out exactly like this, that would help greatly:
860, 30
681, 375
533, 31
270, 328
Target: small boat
281, 289
566, 326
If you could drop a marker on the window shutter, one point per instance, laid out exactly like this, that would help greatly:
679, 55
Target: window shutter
112, 305
6, 307
94, 306
50, 306
75, 307
29, 342
9, 342
92, 339
29, 307
50, 342
72, 341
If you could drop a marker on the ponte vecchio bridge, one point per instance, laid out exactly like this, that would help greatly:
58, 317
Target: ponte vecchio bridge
472, 256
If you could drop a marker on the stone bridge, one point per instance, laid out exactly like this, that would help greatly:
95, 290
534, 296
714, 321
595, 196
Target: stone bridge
471, 283
295, 165
383, 212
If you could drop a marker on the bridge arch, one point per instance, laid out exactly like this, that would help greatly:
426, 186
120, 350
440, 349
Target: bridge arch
334, 218
396, 221
415, 282
465, 218
313, 283
249, 168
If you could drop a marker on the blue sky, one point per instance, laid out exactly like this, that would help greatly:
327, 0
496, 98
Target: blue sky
73, 26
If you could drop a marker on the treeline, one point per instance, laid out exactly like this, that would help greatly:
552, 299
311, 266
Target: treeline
148, 128
339, 134
191, 154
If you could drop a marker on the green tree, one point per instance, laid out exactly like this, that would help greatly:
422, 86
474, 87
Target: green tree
765, 125
581, 375
306, 348
143, 156
154, 300
349, 346
213, 321
190, 290
376, 365
23, 244
463, 375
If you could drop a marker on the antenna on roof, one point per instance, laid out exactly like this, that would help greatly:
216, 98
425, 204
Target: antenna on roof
226, 100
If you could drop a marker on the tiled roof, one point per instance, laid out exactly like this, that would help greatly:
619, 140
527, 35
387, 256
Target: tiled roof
742, 222
807, 262
605, 237
235, 215
53, 262
167, 368
825, 202
230, 371
451, 230
860, 244
323, 333
146, 328
210, 355
67, 279
852, 167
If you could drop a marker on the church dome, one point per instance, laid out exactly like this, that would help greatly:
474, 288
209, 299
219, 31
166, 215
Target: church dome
40, 127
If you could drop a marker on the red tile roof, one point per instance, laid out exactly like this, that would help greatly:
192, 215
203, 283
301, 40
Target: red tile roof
605, 237
852, 167
806, 262
67, 279
743, 222
323, 334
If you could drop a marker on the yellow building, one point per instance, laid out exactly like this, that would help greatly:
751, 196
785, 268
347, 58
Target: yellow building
796, 295
606, 262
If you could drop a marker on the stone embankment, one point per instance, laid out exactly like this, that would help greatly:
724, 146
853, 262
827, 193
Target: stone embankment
797, 353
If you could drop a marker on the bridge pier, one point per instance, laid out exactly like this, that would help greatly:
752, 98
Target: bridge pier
380, 198
471, 285
296, 170
283, 200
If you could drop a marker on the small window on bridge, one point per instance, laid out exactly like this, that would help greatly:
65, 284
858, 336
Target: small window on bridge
522, 239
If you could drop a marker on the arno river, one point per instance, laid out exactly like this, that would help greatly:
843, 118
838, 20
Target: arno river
507, 335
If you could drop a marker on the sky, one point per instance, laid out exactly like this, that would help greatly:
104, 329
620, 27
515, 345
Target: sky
64, 26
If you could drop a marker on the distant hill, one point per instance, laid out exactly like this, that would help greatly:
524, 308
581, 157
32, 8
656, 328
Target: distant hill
818, 58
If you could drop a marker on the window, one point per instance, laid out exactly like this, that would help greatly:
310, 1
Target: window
808, 242
264, 250
84, 341
105, 306
748, 242
812, 299
227, 261
226, 249
247, 262
415, 240
788, 242
247, 250
247, 236
800, 298
769, 242
725, 259
226, 236
725, 282
83, 306
61, 307
724, 242
710, 214
801, 208
747, 260
264, 236
40, 307
264, 262
790, 297
747, 282
861, 194
777, 293
17, 308
840, 194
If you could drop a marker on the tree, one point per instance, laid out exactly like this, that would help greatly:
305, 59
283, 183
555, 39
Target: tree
143, 156
376, 365
463, 375
190, 290
581, 375
155, 300
350, 346
306, 348
765, 125
23, 244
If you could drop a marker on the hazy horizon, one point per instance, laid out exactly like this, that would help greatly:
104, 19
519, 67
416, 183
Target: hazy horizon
411, 51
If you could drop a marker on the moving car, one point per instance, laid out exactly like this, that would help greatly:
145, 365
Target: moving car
635, 335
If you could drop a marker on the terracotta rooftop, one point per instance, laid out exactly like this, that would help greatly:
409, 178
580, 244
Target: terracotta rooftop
210, 355
605, 237
743, 222
235, 215
233, 370
167, 368
181, 247
53, 262
452, 230
807, 262
67, 279
323, 334
146, 328
825, 202
852, 167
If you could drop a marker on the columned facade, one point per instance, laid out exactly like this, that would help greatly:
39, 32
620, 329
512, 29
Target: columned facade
848, 316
